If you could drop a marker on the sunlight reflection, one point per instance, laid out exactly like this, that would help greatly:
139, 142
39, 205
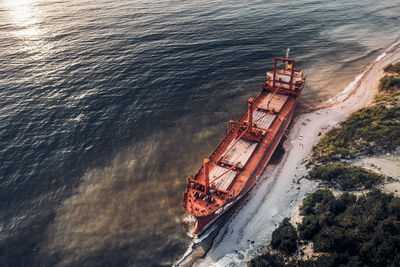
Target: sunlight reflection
24, 15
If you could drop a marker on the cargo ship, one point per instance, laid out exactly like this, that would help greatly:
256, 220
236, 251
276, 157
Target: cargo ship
235, 165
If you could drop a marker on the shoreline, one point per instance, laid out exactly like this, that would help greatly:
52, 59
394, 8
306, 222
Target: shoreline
281, 188
353, 86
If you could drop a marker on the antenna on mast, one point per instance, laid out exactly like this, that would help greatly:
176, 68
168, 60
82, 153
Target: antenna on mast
287, 52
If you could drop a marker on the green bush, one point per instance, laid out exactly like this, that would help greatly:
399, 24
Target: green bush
369, 129
346, 177
284, 238
349, 231
267, 260
360, 231
322, 196
393, 68
389, 82
275, 260
308, 227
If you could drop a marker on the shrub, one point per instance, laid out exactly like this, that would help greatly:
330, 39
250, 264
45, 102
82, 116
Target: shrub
368, 130
267, 260
308, 228
363, 231
389, 82
323, 197
393, 68
345, 176
284, 238
364, 132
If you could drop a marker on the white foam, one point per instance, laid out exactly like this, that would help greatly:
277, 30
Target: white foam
184, 257
78, 118
380, 57
350, 88
183, 260
205, 234
346, 91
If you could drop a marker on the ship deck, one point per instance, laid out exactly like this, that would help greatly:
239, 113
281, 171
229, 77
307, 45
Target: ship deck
234, 151
234, 166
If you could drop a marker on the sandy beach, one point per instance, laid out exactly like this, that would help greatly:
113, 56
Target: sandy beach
280, 189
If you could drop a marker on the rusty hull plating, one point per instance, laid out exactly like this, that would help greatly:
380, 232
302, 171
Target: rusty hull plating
233, 168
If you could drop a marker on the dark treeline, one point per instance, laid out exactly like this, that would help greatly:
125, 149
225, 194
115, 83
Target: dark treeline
345, 230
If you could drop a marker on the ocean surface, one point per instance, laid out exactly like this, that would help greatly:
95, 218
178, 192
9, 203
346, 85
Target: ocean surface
107, 106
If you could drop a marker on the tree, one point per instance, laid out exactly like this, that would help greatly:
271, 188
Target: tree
284, 238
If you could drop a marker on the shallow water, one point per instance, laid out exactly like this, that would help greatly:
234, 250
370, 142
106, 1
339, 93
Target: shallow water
109, 105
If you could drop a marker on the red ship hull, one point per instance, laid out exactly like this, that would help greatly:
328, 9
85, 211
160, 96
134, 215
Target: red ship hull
204, 222
242, 156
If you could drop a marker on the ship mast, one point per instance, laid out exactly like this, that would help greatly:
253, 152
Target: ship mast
206, 165
288, 65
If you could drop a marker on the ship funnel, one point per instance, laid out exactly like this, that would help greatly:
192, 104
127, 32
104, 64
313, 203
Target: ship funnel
206, 174
250, 112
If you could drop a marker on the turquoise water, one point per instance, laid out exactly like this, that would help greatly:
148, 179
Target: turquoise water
107, 106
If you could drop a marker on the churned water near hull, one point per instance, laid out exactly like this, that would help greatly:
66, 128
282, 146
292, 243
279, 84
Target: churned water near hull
106, 107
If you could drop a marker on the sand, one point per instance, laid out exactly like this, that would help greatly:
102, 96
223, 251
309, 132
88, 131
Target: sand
280, 189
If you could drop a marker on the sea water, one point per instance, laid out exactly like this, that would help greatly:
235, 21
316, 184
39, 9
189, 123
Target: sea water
107, 107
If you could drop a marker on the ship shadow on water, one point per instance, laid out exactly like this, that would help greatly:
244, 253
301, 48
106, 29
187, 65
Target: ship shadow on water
203, 243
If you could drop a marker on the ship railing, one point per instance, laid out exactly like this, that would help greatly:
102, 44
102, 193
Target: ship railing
292, 70
184, 200
282, 91
191, 180
233, 124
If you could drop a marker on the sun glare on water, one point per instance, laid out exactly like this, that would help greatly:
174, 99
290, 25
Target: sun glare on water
25, 19
25, 16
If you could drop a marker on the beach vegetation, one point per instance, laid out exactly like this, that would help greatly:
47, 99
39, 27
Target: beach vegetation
388, 98
363, 229
284, 238
346, 230
393, 68
370, 130
389, 83
268, 259
345, 177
